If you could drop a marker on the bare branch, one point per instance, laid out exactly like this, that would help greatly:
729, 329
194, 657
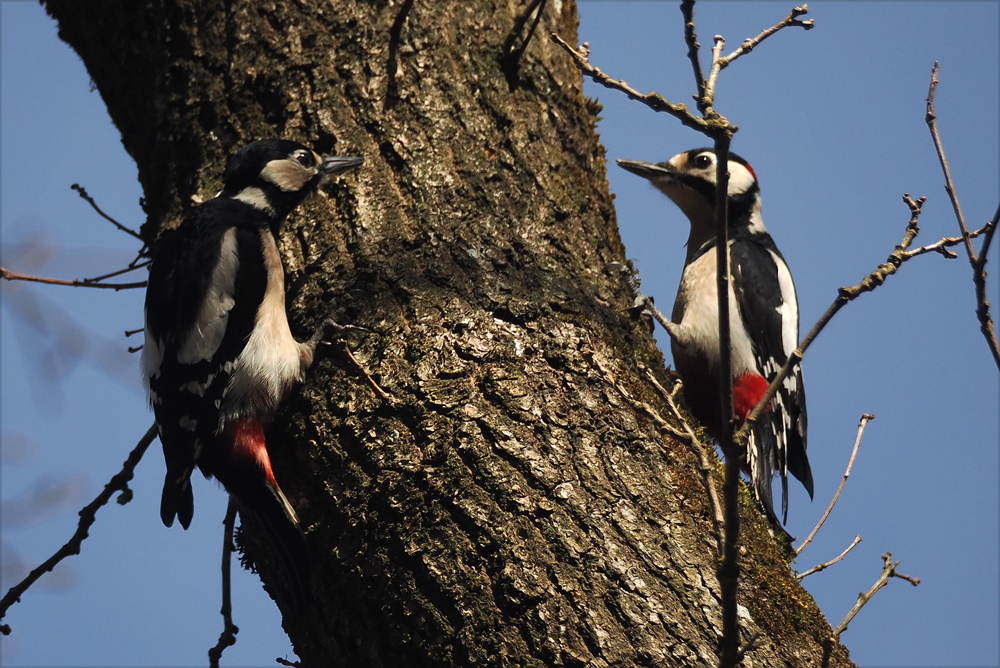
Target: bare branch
978, 262
888, 571
720, 62
728, 571
750, 44
865, 419
989, 229
827, 564
844, 295
701, 452
229, 630
376, 388
118, 483
653, 100
75, 283
941, 245
979, 278
691, 39
949, 186
90, 200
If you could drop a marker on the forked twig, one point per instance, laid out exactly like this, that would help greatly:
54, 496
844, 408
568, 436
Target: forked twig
653, 100
720, 62
700, 451
118, 483
978, 263
75, 283
888, 571
865, 419
844, 295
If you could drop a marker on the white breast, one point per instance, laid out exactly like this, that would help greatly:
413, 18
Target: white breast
271, 363
697, 310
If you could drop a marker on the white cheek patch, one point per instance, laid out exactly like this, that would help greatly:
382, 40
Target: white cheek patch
287, 174
740, 178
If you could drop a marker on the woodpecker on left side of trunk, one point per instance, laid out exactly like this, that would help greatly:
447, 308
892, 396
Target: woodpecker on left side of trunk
219, 356
763, 312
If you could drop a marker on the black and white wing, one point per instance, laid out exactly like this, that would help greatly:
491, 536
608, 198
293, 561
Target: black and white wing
765, 296
197, 323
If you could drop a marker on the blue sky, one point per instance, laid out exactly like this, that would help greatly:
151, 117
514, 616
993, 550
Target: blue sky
832, 122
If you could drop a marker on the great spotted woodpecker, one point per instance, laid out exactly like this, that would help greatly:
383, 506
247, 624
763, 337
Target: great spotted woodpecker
764, 317
219, 356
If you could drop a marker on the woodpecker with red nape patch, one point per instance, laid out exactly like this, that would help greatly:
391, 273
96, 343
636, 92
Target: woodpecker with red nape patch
763, 312
219, 356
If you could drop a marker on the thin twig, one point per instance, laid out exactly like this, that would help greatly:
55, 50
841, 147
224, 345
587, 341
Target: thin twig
653, 100
888, 571
720, 62
865, 419
229, 630
827, 564
750, 645
750, 44
386, 397
90, 200
701, 452
844, 295
75, 283
118, 483
627, 396
979, 278
949, 186
131, 267
978, 263
691, 39
941, 245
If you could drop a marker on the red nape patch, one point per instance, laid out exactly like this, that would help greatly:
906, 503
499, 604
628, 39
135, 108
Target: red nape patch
747, 391
247, 438
752, 173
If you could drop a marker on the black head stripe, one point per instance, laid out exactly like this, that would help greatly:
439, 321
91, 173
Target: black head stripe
244, 167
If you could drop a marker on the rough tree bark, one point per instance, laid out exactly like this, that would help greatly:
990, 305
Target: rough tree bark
510, 506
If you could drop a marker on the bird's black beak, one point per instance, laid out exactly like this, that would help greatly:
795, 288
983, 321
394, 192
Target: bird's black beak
336, 164
647, 170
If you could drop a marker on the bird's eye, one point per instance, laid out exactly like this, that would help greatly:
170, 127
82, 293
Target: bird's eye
703, 161
305, 158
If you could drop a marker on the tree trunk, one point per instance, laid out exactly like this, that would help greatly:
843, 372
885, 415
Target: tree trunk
515, 502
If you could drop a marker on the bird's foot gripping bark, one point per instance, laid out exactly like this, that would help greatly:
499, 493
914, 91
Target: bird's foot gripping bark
641, 304
643, 307
329, 324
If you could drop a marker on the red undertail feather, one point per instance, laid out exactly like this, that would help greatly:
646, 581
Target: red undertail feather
247, 438
747, 391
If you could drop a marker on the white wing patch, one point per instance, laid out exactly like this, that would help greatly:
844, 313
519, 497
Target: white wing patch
152, 355
213, 316
789, 309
